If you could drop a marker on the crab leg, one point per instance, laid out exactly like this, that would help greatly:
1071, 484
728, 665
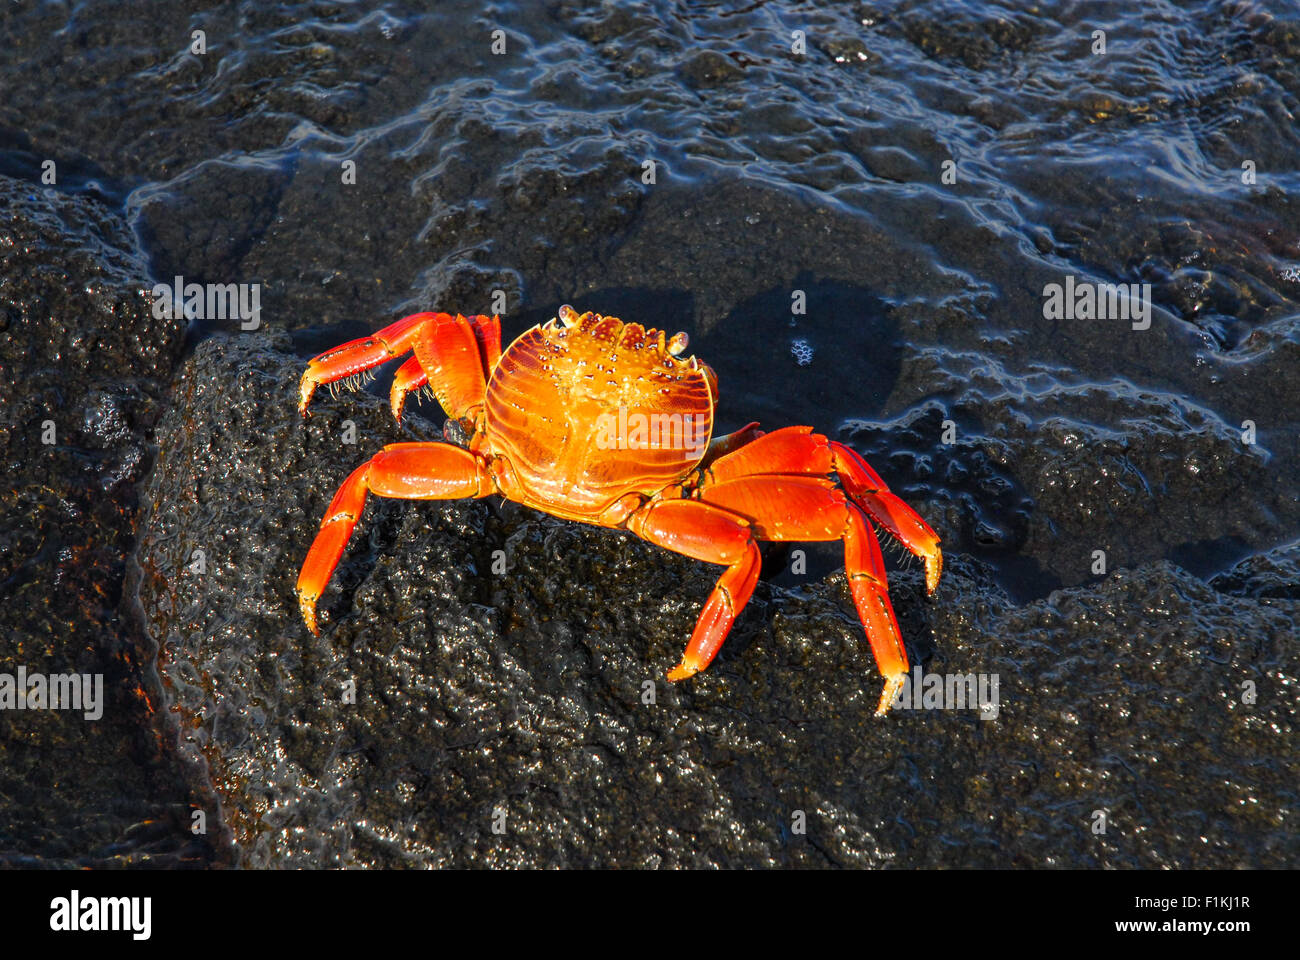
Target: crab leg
704, 532
864, 487
357, 356
797, 450
456, 354
409, 471
410, 376
789, 450
813, 508
864, 566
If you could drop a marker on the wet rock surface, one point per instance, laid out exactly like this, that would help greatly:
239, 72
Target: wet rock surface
518, 699
84, 367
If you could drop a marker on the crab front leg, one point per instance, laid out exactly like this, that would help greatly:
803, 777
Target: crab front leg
704, 532
864, 487
455, 354
409, 471
411, 376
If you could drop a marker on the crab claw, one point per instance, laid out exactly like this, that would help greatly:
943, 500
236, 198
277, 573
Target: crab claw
357, 357
865, 487
305, 390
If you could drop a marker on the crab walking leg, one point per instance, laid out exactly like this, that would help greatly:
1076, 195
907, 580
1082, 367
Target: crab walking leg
797, 450
788, 451
864, 565
704, 532
408, 471
865, 488
810, 507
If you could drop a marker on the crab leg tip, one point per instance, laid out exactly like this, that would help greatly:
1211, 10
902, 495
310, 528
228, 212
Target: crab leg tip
682, 671
892, 685
305, 391
933, 567
307, 604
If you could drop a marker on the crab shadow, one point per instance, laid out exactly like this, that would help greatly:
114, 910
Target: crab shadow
838, 359
813, 352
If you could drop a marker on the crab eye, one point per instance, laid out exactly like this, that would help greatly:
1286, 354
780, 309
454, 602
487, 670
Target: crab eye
569, 316
678, 343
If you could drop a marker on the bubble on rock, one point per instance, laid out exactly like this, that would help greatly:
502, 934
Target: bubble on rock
802, 350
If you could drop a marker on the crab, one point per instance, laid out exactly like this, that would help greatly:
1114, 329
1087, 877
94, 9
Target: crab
603, 422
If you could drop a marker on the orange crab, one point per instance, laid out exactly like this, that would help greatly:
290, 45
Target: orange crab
592, 419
